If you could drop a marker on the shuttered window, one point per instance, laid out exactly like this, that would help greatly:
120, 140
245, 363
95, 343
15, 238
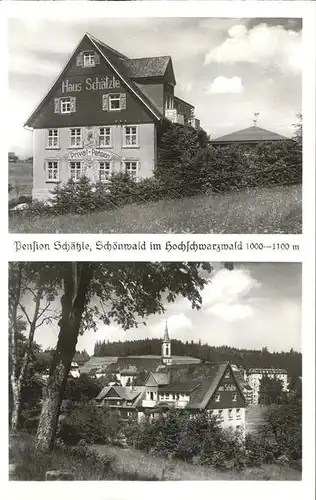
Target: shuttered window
64, 105
113, 102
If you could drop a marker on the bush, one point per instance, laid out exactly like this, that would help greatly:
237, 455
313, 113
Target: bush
32, 464
285, 422
90, 423
260, 449
82, 388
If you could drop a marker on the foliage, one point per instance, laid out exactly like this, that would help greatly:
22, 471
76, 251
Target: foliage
32, 464
270, 390
261, 449
81, 357
285, 423
82, 388
90, 423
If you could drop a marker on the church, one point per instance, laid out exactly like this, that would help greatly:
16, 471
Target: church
101, 117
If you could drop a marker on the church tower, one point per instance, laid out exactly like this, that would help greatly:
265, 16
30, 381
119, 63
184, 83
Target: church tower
166, 348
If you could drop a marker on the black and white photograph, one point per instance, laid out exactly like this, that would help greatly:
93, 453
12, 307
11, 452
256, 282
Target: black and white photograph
148, 371
155, 125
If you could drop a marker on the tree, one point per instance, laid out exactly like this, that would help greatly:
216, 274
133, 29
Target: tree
126, 293
271, 390
25, 284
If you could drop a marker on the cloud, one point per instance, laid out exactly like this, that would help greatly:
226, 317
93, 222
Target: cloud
223, 85
267, 46
226, 296
231, 312
177, 323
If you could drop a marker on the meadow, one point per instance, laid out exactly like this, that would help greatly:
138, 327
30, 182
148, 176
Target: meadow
275, 209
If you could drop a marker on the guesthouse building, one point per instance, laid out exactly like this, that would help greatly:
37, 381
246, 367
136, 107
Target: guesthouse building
101, 116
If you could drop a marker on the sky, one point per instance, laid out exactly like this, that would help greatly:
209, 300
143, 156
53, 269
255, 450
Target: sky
227, 68
254, 305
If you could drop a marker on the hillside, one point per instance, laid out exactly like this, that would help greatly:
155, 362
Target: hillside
259, 210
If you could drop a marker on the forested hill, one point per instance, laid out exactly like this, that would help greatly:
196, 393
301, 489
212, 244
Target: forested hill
291, 361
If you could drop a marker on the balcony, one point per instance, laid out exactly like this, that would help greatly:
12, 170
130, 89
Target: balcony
174, 116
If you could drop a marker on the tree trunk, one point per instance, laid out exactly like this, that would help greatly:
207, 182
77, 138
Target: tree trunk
76, 285
16, 403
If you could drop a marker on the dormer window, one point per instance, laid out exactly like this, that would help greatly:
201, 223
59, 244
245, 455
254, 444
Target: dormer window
89, 59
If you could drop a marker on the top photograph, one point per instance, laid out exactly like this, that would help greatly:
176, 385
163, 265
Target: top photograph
155, 125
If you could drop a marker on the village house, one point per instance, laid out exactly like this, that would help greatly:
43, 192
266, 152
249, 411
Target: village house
101, 116
121, 399
255, 376
195, 387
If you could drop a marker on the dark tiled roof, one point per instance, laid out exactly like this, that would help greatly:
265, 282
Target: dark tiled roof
250, 134
126, 393
180, 387
146, 67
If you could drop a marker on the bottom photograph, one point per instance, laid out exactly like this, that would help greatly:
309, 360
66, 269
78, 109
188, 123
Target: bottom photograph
155, 371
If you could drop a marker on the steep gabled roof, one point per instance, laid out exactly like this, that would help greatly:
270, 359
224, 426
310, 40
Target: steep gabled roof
250, 134
146, 67
116, 61
126, 393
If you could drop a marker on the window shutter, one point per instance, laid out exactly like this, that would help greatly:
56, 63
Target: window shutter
80, 59
72, 105
123, 101
57, 105
105, 102
97, 58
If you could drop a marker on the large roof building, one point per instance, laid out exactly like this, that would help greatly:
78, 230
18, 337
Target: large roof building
249, 136
101, 116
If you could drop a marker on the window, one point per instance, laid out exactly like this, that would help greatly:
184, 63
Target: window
75, 170
217, 398
89, 59
238, 413
151, 396
105, 170
129, 414
75, 137
131, 136
53, 138
227, 375
52, 171
114, 101
221, 414
105, 137
234, 397
167, 350
131, 168
230, 414
65, 105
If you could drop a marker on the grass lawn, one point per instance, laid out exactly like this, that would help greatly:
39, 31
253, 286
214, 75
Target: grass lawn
103, 462
135, 461
259, 210
21, 178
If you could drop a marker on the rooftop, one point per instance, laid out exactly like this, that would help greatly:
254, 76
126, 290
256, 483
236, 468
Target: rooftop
248, 135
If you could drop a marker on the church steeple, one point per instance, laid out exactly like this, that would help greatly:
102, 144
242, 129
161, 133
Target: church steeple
166, 348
